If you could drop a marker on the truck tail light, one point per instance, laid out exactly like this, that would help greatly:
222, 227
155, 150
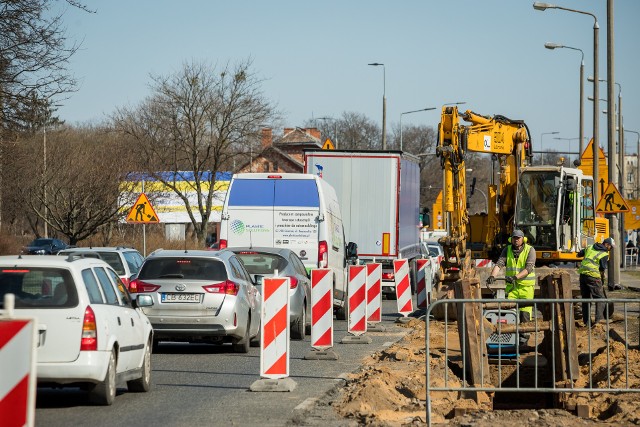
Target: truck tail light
323, 255
227, 287
388, 276
138, 286
223, 244
89, 340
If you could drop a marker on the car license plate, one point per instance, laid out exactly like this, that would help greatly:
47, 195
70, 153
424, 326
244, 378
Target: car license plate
179, 297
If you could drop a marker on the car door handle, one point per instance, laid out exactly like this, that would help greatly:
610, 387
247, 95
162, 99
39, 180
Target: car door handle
119, 322
132, 324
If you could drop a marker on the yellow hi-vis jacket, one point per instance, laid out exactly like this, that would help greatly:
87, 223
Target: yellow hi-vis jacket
590, 265
513, 266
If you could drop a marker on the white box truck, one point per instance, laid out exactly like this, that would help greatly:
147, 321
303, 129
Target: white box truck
288, 210
379, 194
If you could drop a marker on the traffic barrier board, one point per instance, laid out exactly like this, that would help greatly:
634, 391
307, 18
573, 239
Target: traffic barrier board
357, 300
403, 286
425, 282
18, 379
321, 309
374, 292
274, 348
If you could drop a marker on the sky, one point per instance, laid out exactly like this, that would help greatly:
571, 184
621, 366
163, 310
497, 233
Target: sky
313, 58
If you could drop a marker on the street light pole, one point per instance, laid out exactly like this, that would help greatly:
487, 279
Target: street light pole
541, 149
384, 103
559, 46
409, 112
596, 144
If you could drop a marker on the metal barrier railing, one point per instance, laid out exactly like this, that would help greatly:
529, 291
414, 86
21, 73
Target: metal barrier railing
631, 257
545, 378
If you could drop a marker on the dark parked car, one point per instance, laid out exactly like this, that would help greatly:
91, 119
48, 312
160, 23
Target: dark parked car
45, 246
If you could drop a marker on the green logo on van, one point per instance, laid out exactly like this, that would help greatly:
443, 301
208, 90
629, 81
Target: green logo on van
237, 226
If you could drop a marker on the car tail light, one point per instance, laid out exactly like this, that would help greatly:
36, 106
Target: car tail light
125, 280
293, 282
388, 276
223, 244
138, 287
323, 254
89, 340
227, 287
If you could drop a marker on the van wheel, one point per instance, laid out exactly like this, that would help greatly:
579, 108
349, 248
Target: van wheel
104, 393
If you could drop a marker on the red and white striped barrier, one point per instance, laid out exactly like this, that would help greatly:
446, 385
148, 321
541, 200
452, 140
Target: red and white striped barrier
425, 282
274, 348
484, 263
403, 286
357, 300
18, 341
321, 309
374, 292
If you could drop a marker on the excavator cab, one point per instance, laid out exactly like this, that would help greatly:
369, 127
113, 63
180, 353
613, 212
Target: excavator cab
554, 208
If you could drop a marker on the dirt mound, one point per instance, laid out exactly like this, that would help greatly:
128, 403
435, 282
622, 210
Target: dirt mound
390, 389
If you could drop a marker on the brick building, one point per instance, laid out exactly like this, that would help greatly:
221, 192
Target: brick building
284, 154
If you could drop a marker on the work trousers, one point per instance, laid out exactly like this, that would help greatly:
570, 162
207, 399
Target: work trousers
591, 287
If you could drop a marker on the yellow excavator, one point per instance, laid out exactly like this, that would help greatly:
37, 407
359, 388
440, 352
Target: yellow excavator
553, 205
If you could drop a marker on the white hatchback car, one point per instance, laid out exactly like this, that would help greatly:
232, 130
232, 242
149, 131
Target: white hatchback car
91, 334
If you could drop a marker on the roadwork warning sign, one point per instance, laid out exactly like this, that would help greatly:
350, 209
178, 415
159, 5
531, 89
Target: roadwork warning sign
142, 212
612, 201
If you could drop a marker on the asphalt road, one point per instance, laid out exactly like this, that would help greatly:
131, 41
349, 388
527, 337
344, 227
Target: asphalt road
198, 385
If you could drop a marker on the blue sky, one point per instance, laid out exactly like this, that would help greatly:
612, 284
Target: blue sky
314, 55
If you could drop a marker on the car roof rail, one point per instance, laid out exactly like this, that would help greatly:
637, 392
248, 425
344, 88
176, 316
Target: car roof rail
156, 251
73, 256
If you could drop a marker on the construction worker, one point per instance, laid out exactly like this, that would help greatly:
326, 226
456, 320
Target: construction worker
592, 268
519, 259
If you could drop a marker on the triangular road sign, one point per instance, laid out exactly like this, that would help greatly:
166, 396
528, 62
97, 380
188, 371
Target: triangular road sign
328, 145
142, 212
612, 201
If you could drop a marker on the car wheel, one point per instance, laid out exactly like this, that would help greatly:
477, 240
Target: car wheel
298, 326
143, 384
104, 393
242, 345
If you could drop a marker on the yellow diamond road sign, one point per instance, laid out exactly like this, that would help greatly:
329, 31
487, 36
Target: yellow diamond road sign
142, 212
612, 201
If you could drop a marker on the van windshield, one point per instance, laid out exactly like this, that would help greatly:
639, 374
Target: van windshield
269, 192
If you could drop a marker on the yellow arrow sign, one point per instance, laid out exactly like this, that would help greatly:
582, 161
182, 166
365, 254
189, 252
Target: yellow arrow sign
612, 201
142, 212
328, 145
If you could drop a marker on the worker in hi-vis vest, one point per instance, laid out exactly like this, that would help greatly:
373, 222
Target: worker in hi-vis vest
592, 268
519, 259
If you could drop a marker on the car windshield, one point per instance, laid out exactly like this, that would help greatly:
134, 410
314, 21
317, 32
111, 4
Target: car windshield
262, 263
183, 268
38, 287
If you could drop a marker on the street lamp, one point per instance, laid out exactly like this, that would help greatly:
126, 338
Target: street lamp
544, 6
384, 103
560, 46
409, 112
541, 145
637, 174
335, 129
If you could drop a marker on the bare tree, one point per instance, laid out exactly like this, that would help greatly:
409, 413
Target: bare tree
81, 192
192, 125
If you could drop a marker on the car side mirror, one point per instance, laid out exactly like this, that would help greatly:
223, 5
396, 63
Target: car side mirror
352, 250
258, 279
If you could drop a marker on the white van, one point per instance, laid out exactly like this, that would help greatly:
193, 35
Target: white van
288, 210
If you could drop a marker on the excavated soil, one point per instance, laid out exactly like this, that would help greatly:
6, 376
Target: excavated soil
390, 388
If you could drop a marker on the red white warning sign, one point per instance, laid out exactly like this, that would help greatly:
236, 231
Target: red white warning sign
18, 380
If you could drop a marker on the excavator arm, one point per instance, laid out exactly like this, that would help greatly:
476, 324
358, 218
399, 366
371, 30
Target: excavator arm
509, 142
